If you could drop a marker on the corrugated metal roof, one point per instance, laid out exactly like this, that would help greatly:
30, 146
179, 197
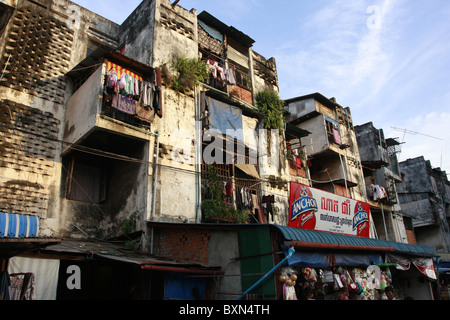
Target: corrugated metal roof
318, 237
230, 31
117, 252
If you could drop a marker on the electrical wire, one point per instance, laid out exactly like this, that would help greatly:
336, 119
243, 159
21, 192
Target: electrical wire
114, 156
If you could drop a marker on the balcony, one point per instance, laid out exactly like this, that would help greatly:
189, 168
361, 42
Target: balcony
98, 105
232, 194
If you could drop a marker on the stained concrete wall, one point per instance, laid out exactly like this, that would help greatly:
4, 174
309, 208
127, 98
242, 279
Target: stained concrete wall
83, 107
136, 34
153, 34
175, 33
415, 176
41, 43
371, 149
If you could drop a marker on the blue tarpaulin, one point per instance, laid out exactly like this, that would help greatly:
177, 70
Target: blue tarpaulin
326, 260
313, 260
348, 259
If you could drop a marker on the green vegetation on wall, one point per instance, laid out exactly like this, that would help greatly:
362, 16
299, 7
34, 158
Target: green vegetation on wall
269, 103
184, 74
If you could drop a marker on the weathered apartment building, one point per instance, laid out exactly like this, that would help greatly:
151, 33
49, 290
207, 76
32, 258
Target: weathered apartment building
99, 139
79, 148
381, 174
424, 197
118, 133
331, 148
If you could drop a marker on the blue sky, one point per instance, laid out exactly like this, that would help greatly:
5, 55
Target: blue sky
388, 60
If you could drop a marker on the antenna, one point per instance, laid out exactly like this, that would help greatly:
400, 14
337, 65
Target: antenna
405, 131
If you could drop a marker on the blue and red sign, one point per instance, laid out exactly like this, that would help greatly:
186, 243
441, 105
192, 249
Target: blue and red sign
315, 209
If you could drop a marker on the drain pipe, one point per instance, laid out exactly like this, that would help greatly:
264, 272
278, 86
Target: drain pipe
155, 176
198, 153
155, 181
268, 274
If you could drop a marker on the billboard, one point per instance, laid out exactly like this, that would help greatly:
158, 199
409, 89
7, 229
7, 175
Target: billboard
315, 209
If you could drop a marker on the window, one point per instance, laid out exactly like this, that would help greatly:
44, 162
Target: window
91, 47
87, 183
332, 128
242, 78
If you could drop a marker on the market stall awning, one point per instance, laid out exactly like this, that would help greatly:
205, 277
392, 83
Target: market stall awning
325, 240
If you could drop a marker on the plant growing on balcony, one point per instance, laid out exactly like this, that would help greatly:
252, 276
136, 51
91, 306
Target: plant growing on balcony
269, 103
217, 209
184, 73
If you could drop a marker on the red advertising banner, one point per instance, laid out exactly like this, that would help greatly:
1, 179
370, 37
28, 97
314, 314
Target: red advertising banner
315, 209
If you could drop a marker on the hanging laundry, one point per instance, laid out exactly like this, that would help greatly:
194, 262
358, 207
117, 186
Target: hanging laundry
213, 67
379, 193
230, 76
247, 197
122, 82
220, 73
229, 190
145, 113
129, 89
111, 78
298, 162
136, 87
336, 136
157, 101
124, 104
242, 196
147, 94
268, 202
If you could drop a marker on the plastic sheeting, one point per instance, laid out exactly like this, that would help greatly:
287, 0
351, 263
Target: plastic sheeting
211, 31
313, 260
326, 260
45, 274
350, 260
225, 119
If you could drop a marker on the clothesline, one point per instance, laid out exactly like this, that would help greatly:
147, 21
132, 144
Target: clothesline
131, 94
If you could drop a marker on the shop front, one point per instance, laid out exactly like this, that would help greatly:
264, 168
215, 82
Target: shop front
328, 266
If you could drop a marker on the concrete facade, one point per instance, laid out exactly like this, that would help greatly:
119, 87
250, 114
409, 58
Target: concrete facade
380, 167
335, 160
90, 172
67, 108
423, 195
41, 43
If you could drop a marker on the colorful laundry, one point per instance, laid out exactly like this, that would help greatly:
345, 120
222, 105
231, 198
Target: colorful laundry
124, 104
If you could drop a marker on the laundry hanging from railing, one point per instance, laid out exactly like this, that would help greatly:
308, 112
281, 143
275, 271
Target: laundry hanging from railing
131, 94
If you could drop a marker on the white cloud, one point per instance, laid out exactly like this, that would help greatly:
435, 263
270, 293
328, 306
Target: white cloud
343, 52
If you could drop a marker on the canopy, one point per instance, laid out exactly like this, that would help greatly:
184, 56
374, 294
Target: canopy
317, 239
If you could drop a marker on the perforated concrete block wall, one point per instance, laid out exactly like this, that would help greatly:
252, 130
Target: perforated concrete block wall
28, 148
37, 55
